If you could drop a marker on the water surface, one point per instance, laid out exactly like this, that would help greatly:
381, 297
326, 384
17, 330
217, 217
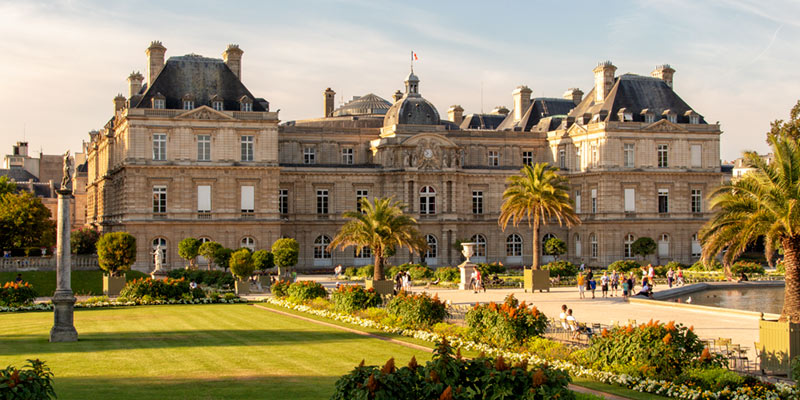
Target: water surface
758, 299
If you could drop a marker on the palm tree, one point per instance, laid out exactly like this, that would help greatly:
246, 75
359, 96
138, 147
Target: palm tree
538, 195
383, 227
764, 202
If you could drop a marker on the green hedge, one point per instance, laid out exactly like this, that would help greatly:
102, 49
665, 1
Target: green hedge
215, 278
447, 274
624, 266
561, 268
147, 289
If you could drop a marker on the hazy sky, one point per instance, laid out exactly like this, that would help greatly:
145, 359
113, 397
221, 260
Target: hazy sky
737, 61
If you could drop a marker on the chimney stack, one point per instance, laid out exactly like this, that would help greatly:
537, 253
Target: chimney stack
119, 103
603, 80
233, 59
500, 110
574, 94
522, 100
456, 114
397, 96
155, 61
328, 97
665, 73
135, 80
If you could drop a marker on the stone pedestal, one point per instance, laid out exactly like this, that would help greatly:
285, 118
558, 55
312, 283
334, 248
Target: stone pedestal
63, 299
466, 268
159, 273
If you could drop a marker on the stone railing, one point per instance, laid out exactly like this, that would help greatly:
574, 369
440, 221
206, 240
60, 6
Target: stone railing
79, 262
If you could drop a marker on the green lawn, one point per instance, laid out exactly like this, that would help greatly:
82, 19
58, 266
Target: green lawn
83, 282
193, 352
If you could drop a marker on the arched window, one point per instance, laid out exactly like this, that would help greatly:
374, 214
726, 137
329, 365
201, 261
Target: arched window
201, 259
697, 250
160, 241
593, 241
578, 249
663, 245
433, 250
545, 238
321, 247
365, 252
427, 200
514, 245
629, 246
249, 243
480, 248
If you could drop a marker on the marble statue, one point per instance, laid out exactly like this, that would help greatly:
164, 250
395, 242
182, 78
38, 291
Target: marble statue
66, 180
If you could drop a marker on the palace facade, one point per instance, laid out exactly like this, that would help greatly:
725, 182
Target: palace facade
191, 152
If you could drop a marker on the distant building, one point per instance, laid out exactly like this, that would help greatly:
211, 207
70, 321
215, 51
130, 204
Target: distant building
741, 167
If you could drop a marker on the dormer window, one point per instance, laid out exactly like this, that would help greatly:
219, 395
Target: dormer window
670, 116
159, 101
583, 120
625, 115
649, 116
694, 118
216, 103
188, 102
245, 104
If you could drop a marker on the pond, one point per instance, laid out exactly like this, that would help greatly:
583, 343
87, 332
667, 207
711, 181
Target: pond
758, 299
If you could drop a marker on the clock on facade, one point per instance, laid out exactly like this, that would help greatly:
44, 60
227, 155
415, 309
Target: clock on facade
428, 153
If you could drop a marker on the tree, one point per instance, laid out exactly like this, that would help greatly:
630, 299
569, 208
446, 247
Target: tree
555, 247
210, 250
263, 260
25, 222
7, 186
189, 249
222, 257
539, 195
643, 246
84, 241
116, 252
763, 202
383, 227
285, 252
241, 263
786, 129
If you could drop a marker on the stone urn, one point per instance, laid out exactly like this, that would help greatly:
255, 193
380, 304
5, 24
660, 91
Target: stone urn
467, 267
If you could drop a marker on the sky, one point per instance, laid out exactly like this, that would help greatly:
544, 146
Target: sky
63, 62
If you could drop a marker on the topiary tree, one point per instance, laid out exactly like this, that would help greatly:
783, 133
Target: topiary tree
241, 264
285, 252
209, 250
643, 246
263, 260
555, 247
116, 252
222, 257
84, 241
189, 249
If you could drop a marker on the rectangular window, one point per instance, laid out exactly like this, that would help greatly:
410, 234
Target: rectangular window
204, 199
630, 200
697, 155
247, 148
649, 118
628, 149
283, 201
159, 199
697, 201
159, 104
217, 105
595, 249
247, 106
578, 201
322, 201
347, 156
159, 146
594, 155
203, 147
477, 202
663, 156
527, 158
309, 156
248, 199
663, 201
188, 104
360, 194
562, 159
594, 201
494, 158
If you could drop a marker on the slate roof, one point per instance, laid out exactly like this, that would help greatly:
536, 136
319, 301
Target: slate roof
482, 121
18, 175
200, 77
636, 93
540, 108
412, 109
368, 104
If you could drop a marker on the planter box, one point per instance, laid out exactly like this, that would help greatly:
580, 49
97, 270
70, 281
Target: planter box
780, 343
536, 279
265, 282
112, 285
242, 287
382, 287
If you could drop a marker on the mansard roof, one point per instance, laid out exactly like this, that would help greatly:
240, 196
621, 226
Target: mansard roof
482, 121
540, 108
200, 77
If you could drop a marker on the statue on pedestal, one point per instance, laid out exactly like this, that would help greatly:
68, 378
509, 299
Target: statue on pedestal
66, 179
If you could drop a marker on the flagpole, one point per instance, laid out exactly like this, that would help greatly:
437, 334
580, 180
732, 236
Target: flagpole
412, 61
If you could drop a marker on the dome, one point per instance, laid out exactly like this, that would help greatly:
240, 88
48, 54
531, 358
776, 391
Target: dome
368, 104
413, 110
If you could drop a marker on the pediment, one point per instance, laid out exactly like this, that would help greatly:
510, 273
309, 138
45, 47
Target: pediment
428, 139
576, 129
204, 112
664, 126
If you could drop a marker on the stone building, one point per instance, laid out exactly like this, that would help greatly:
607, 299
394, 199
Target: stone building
191, 152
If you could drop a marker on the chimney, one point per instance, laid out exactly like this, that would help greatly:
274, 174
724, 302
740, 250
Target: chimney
522, 100
456, 114
233, 59
574, 94
155, 61
397, 96
135, 80
500, 110
21, 149
119, 103
328, 96
603, 80
664, 72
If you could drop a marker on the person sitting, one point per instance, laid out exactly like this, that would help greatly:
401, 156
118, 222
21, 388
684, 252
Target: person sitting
743, 277
19, 279
193, 285
563, 317
577, 328
646, 291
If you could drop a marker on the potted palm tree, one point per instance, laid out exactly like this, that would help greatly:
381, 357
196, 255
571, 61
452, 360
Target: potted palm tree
764, 203
538, 195
116, 252
383, 227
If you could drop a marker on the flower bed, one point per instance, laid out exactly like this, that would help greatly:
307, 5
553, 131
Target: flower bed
14, 294
350, 298
114, 303
306, 290
147, 289
505, 325
417, 310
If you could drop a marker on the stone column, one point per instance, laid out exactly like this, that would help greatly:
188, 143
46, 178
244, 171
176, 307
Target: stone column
63, 299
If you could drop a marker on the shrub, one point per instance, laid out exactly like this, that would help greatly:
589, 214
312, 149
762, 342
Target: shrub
449, 330
146, 290
624, 266
14, 294
548, 349
747, 267
285, 253
420, 272
116, 251
417, 311
280, 288
643, 246
652, 350
306, 290
505, 325
675, 265
350, 272
561, 268
447, 274
241, 264
714, 379
34, 381
209, 250
555, 247
350, 298
447, 376
263, 260
710, 266
189, 249
84, 241
214, 278
366, 271
490, 269
660, 270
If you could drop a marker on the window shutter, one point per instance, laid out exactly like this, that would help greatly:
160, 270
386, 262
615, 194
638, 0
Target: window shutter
248, 198
204, 198
630, 200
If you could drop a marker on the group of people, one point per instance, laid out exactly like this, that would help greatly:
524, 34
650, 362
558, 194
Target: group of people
570, 324
476, 281
402, 281
613, 281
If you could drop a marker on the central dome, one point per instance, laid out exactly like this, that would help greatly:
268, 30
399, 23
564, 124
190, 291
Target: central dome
368, 104
412, 108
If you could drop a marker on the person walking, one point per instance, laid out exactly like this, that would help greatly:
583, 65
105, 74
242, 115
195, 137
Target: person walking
590, 283
670, 277
626, 286
581, 285
406, 281
479, 281
473, 281
604, 284
614, 283
680, 277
